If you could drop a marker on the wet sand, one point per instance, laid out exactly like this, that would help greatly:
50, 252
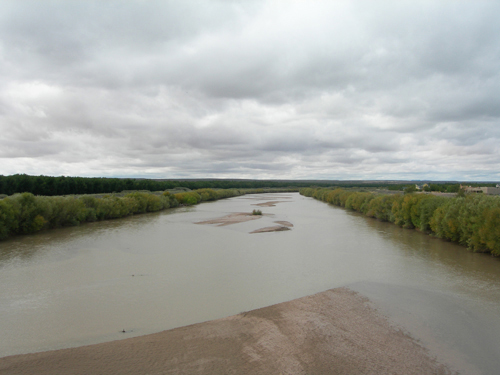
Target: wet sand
333, 332
267, 197
285, 223
268, 204
283, 226
239, 217
275, 228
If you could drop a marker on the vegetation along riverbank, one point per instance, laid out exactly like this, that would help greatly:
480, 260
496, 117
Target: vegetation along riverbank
26, 213
472, 220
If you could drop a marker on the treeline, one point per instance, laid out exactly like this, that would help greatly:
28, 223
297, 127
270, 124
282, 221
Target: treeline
442, 188
473, 220
52, 186
26, 213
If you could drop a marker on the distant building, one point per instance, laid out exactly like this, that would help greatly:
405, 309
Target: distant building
484, 190
491, 190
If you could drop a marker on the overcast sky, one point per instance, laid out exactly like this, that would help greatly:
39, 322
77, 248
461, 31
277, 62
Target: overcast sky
251, 89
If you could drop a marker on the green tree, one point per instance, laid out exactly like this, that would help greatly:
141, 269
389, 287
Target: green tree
410, 189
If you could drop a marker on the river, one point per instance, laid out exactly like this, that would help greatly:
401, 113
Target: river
147, 273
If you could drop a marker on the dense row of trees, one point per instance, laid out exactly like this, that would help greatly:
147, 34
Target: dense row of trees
26, 213
442, 188
473, 220
51, 186
190, 198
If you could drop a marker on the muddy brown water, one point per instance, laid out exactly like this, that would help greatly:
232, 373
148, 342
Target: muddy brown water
144, 274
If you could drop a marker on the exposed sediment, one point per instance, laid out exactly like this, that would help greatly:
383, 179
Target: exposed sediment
285, 223
268, 204
275, 228
238, 217
333, 332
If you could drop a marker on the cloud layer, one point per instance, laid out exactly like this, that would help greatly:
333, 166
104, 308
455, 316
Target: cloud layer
257, 89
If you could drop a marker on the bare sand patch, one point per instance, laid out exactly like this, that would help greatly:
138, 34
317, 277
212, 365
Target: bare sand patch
238, 217
263, 197
268, 204
276, 228
285, 223
333, 332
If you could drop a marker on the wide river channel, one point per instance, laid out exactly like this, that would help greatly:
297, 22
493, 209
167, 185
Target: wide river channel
147, 273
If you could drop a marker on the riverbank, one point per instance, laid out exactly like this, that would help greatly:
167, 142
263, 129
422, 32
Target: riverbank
333, 332
472, 220
27, 214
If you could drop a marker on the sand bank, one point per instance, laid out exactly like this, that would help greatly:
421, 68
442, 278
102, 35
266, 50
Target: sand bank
238, 217
284, 223
260, 197
333, 332
275, 228
268, 204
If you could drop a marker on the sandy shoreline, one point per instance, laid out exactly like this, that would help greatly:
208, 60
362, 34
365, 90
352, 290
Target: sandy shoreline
241, 217
234, 218
333, 332
268, 204
275, 228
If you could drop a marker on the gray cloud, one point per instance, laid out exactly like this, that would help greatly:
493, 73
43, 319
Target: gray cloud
254, 89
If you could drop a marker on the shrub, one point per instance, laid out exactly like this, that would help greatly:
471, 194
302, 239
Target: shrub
473, 220
26, 213
188, 198
207, 194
